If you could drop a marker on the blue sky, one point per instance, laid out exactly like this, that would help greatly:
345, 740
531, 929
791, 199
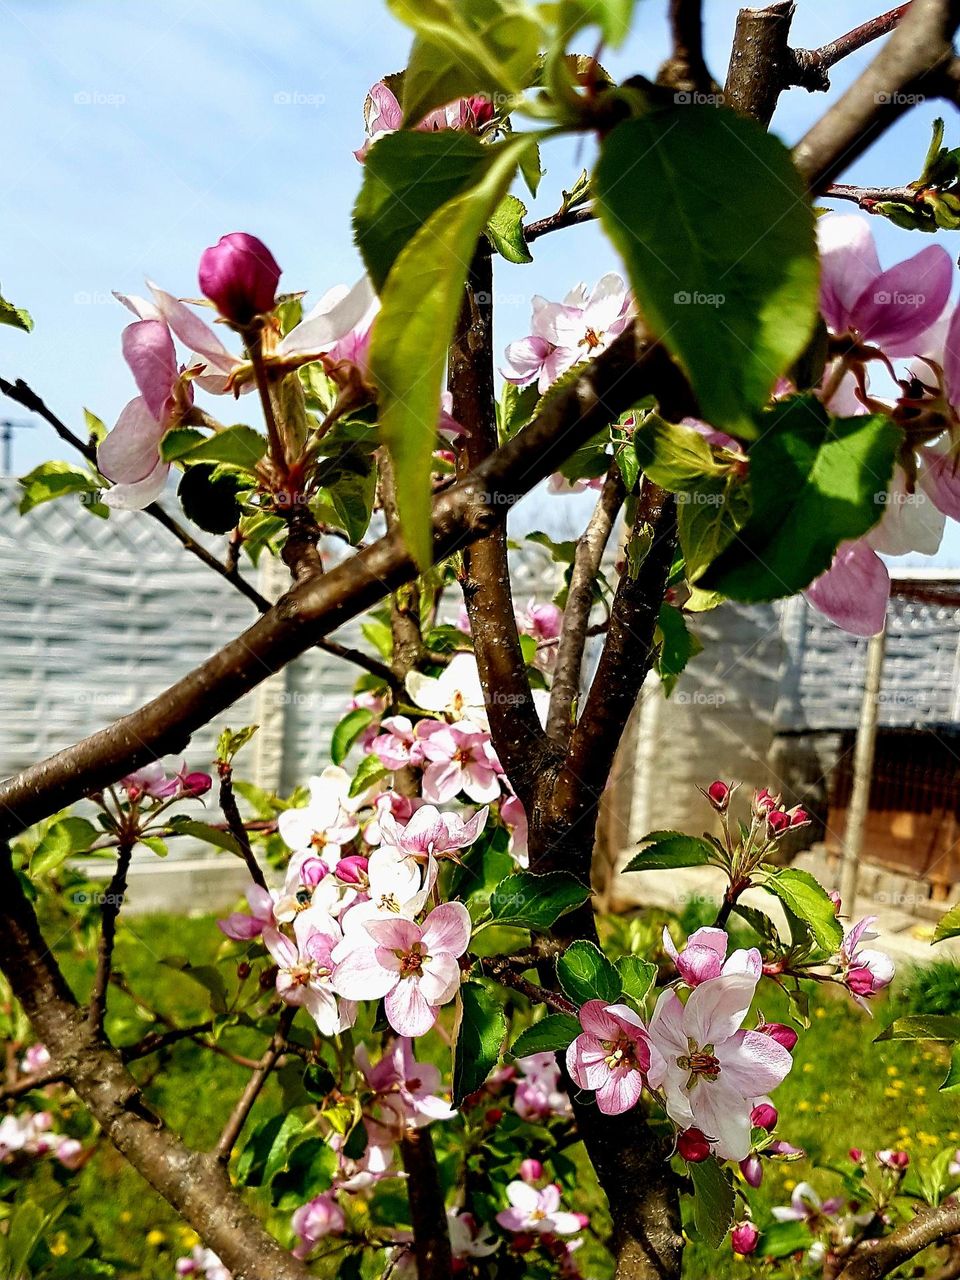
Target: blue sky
137, 134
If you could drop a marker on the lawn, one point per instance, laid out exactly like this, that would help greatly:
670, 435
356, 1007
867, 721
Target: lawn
844, 1091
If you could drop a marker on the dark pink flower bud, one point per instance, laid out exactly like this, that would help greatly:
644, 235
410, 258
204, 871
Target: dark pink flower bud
531, 1170
782, 1034
352, 870
480, 110
239, 275
798, 816
195, 784
744, 1238
692, 1146
834, 897
763, 802
764, 1116
893, 1159
785, 1150
719, 793
855, 1154
778, 821
752, 1170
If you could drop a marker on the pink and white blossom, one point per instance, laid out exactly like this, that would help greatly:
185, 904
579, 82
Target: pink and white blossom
318, 1218
468, 1238
539, 1094
710, 1070
704, 956
383, 114
611, 1057
413, 968
806, 1206
537, 1211
327, 822
203, 1263
865, 970
242, 926
458, 758
430, 833
305, 969
456, 692
407, 1091
397, 888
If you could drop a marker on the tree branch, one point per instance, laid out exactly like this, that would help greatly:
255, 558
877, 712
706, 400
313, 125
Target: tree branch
761, 60
431, 1239
514, 724
910, 66
194, 1184
817, 62
580, 598
867, 197
508, 974
245, 1103
876, 1258
112, 902
685, 69
231, 811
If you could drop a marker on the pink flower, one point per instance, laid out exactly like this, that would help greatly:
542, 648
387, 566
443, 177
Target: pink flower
413, 968
764, 1116
512, 813
896, 1160
542, 621
382, 114
538, 1094
468, 1239
537, 1211
890, 309
752, 1170
35, 1059
460, 758
703, 957
564, 333
710, 1070
69, 1152
306, 967
531, 1170
430, 832
242, 927
239, 275
806, 1206
865, 971
326, 822
612, 1056
396, 745
408, 1091
744, 1238
202, 1262
319, 1217
778, 1031
719, 793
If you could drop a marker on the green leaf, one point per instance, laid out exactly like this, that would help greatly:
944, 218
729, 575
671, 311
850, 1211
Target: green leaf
923, 1026
407, 177
952, 1079
203, 831
677, 646
505, 230
718, 236
64, 839
206, 975
265, 1152
180, 441
551, 1033
781, 1239
481, 1028
209, 501
637, 976
676, 458
369, 771
713, 1202
613, 17
230, 742
708, 517
16, 317
96, 427
807, 898
352, 496
516, 408
949, 925
534, 901
239, 446
51, 480
408, 352
585, 973
815, 483
347, 732
466, 47
667, 850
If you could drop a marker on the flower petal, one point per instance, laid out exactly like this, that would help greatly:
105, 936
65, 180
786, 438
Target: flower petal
854, 591
407, 1010
447, 929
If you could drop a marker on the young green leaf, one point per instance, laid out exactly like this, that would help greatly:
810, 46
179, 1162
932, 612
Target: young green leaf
613, 17
51, 480
718, 237
16, 317
371, 770
347, 732
949, 925
585, 973
677, 646
667, 850
505, 230
421, 301
714, 1201
536, 901
808, 900
551, 1033
64, 839
676, 458
637, 976
481, 1028
923, 1026
815, 482
239, 446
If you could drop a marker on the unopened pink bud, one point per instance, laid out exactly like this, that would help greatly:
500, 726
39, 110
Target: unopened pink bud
778, 821
531, 1170
352, 870
764, 1116
763, 801
195, 784
312, 872
744, 1238
239, 275
782, 1034
855, 1154
834, 897
718, 793
893, 1159
692, 1146
752, 1170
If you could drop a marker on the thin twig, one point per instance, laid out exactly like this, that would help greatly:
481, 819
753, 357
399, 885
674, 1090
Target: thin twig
238, 1116
867, 197
112, 902
828, 55
557, 222
228, 803
501, 970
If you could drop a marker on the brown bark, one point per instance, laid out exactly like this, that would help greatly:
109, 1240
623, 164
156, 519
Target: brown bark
876, 1258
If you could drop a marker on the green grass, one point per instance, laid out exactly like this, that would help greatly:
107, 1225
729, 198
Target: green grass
844, 1091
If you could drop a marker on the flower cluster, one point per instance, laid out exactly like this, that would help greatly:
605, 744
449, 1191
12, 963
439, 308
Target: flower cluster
31, 1134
